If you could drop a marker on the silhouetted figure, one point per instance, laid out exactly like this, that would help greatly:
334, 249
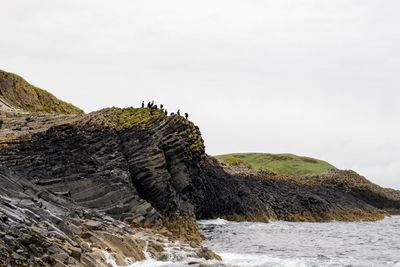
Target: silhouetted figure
142, 104
172, 114
186, 115
161, 106
155, 106
149, 105
152, 103
166, 112
178, 112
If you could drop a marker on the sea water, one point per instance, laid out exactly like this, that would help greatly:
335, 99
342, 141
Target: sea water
305, 244
300, 244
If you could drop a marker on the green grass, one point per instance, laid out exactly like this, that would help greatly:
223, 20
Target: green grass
20, 111
122, 118
26, 97
287, 164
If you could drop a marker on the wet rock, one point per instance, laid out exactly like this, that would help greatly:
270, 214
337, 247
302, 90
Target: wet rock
54, 249
26, 237
93, 225
62, 257
88, 261
49, 260
3, 218
40, 231
9, 240
87, 235
208, 254
76, 229
76, 253
18, 257
156, 246
35, 251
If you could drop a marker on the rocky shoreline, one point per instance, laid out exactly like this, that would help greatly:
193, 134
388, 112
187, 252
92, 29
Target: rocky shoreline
119, 185
38, 228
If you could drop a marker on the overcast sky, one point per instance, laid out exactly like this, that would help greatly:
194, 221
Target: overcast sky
318, 78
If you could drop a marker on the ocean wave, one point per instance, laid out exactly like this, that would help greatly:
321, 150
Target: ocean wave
217, 221
253, 260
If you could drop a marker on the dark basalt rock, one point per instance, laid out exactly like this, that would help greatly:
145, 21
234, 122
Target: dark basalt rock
56, 168
141, 174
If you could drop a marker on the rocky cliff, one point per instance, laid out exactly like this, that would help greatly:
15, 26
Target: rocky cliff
85, 176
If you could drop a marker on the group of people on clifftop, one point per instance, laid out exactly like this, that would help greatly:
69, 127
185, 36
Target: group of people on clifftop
154, 107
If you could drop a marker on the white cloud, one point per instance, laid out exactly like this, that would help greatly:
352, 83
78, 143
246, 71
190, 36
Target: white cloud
317, 78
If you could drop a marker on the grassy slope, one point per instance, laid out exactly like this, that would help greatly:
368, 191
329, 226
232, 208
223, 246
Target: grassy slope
279, 163
22, 95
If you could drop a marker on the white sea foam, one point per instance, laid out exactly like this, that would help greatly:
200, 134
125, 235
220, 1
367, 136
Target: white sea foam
229, 260
217, 221
236, 259
154, 263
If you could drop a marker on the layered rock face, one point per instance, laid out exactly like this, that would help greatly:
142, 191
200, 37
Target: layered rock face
84, 176
39, 228
78, 169
158, 170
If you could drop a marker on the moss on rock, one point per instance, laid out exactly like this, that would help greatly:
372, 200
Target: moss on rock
123, 118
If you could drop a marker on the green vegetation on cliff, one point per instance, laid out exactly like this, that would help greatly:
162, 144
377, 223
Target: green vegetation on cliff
122, 118
287, 164
21, 95
144, 119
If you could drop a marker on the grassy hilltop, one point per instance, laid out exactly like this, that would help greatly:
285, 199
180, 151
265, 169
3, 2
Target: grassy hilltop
288, 164
21, 95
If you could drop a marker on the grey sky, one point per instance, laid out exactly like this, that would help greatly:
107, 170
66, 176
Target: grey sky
310, 77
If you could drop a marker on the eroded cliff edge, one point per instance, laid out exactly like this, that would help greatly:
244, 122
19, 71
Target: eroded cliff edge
139, 167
